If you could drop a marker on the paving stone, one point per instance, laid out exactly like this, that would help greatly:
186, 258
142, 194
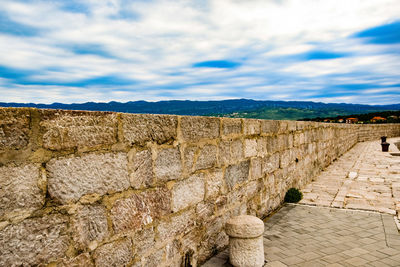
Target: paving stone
292, 260
389, 251
356, 261
309, 256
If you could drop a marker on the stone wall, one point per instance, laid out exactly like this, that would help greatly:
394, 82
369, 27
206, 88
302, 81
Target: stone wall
111, 189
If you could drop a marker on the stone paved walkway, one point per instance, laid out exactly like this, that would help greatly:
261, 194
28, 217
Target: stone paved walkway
300, 235
365, 178
316, 236
346, 217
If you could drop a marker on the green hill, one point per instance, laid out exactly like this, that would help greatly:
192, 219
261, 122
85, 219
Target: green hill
287, 113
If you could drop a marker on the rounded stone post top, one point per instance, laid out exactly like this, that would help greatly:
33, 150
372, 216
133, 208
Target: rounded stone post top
244, 226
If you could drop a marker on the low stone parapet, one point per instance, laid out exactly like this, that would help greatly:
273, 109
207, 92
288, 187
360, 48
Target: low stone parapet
104, 188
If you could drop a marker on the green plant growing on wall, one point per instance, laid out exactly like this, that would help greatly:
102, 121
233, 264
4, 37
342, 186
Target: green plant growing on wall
293, 195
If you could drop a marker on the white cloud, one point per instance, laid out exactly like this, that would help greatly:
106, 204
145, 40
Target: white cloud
165, 37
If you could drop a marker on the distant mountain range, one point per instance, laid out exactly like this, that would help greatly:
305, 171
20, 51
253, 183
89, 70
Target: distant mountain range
245, 108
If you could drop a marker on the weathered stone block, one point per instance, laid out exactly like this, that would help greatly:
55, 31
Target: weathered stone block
188, 192
196, 128
283, 126
189, 154
262, 145
215, 238
140, 166
282, 141
144, 241
296, 139
231, 126
142, 128
19, 189
272, 144
78, 261
179, 224
90, 225
269, 184
140, 209
207, 158
215, 184
252, 188
237, 150
300, 125
34, 241
71, 178
284, 158
204, 210
270, 163
256, 168
118, 253
290, 140
225, 152
168, 165
64, 129
172, 251
251, 126
269, 127
250, 148
236, 174
14, 128
155, 259
291, 126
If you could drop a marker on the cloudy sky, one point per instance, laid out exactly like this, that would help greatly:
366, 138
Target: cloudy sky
102, 50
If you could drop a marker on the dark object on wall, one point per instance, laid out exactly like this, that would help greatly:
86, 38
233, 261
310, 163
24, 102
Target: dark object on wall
293, 195
385, 147
383, 138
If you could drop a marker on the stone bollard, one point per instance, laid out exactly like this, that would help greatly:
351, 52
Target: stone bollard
246, 248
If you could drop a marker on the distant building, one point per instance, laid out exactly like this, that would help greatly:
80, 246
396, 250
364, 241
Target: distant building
377, 118
394, 117
351, 120
341, 120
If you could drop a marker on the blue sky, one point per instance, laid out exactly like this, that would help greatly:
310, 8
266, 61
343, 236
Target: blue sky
73, 51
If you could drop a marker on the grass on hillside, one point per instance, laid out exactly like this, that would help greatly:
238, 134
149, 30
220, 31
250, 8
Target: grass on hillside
286, 113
